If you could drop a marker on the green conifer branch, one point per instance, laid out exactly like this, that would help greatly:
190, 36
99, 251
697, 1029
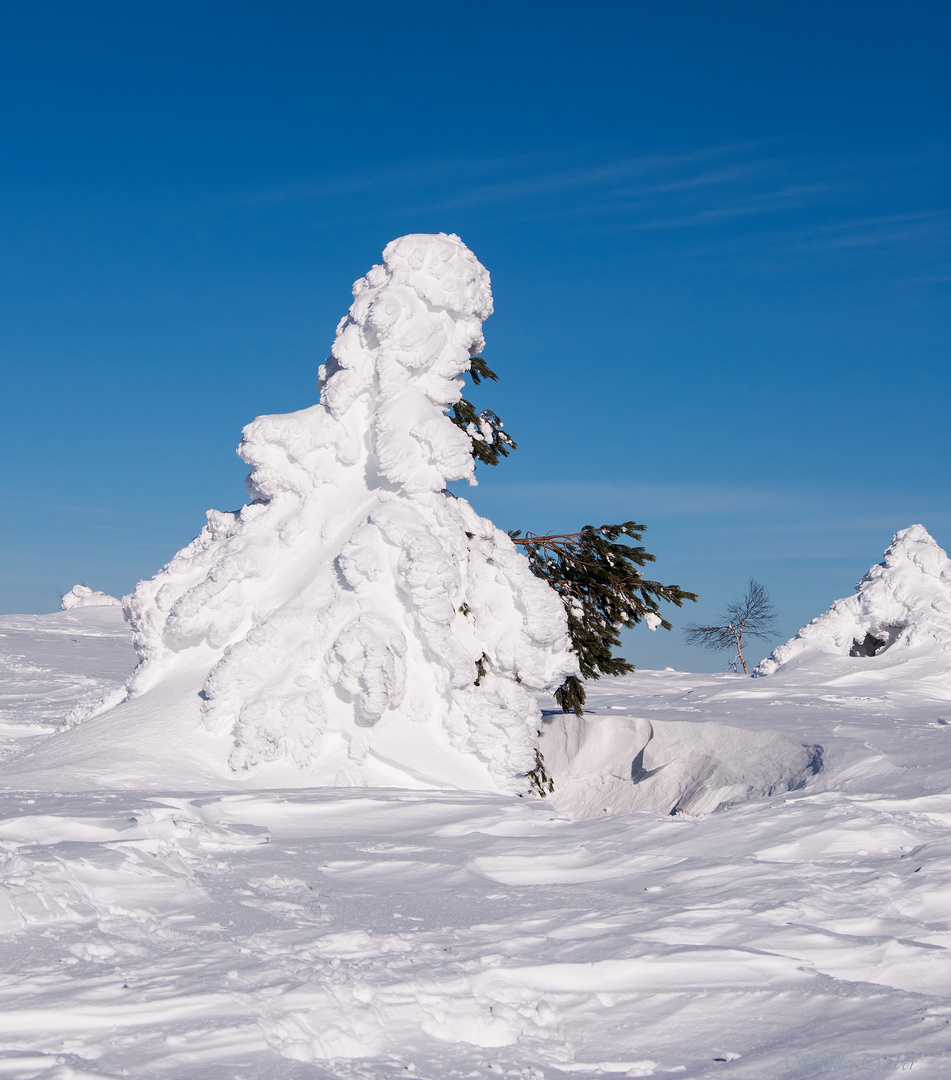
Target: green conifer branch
595, 572
489, 442
600, 583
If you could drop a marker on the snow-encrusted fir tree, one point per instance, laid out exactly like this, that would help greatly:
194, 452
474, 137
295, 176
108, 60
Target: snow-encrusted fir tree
355, 620
355, 623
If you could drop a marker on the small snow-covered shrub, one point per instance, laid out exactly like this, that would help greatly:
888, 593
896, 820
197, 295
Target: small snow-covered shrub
83, 596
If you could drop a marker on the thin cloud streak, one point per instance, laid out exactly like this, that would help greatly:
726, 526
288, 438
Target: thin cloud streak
778, 509
708, 188
755, 205
868, 232
422, 172
394, 176
727, 192
705, 179
675, 500
929, 227
634, 200
574, 179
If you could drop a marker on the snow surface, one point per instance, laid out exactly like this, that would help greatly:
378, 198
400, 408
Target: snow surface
291, 934
355, 623
904, 603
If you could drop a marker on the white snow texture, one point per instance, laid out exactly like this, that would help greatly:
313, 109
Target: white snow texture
901, 609
341, 619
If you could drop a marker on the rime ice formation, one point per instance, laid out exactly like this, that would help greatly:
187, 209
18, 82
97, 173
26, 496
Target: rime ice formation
83, 596
356, 620
901, 608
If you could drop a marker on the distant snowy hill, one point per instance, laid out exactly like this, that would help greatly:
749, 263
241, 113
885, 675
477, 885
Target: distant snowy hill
900, 613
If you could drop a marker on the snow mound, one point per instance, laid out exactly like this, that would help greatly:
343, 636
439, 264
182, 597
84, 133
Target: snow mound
83, 596
611, 764
354, 621
901, 608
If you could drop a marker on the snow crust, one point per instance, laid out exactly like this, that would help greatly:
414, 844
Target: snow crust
83, 596
904, 603
354, 621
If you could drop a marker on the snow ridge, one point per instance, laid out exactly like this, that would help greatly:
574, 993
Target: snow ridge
354, 611
902, 604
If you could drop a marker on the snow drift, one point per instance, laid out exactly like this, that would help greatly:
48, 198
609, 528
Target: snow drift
354, 621
901, 609
612, 764
349, 932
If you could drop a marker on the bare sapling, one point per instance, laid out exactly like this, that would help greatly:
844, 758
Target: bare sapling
751, 616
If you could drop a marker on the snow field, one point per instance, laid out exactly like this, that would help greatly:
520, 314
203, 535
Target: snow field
378, 933
56, 668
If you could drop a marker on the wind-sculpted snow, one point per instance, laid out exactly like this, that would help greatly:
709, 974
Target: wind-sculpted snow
901, 611
611, 764
354, 619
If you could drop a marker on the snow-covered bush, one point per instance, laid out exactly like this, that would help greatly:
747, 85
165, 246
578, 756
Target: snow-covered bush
901, 605
354, 610
83, 596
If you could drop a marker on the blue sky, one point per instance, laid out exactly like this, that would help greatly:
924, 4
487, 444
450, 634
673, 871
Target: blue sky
718, 235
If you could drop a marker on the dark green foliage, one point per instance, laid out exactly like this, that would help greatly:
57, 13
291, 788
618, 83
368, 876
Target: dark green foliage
479, 370
599, 581
481, 669
489, 441
539, 780
570, 695
597, 577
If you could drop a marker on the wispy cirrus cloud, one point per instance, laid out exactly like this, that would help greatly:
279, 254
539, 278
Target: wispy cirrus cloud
802, 506
871, 232
753, 204
706, 188
737, 198
513, 178
607, 176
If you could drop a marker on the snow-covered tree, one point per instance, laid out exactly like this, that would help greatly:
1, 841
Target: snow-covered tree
355, 618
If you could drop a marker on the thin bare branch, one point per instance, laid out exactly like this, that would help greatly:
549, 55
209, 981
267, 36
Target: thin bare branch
751, 616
